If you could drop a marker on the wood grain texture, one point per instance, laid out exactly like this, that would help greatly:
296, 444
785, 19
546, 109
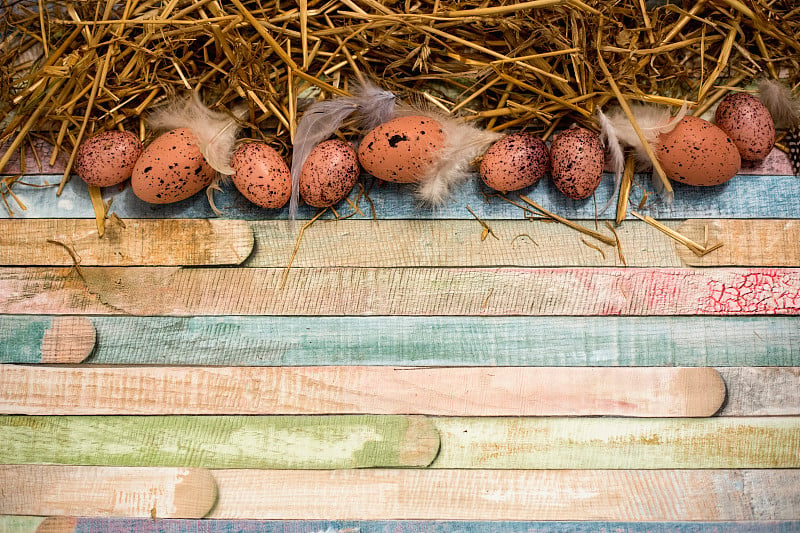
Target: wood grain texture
762, 391
618, 443
19, 524
106, 491
441, 341
323, 442
139, 242
636, 495
747, 242
116, 525
476, 391
742, 197
58, 524
423, 291
453, 243
68, 339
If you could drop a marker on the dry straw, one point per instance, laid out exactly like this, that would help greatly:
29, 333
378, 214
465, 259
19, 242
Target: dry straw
71, 69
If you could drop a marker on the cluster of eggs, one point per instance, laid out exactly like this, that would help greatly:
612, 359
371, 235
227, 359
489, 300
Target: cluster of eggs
402, 150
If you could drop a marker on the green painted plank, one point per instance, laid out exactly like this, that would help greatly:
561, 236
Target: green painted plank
274, 442
19, 524
618, 443
440, 340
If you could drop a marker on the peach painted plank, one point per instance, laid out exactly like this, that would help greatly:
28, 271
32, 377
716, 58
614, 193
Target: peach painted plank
635, 495
49, 490
751, 242
384, 291
475, 391
149, 242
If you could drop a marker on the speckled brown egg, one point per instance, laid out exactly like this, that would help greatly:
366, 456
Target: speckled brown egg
329, 173
261, 175
576, 162
697, 152
107, 158
402, 149
515, 162
748, 123
171, 169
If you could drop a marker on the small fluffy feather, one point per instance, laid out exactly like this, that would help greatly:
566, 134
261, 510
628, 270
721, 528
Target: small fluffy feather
374, 105
463, 143
609, 138
652, 120
215, 131
782, 105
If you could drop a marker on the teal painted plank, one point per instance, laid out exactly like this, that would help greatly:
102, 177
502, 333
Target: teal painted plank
445, 340
272, 442
742, 197
93, 525
19, 524
21, 338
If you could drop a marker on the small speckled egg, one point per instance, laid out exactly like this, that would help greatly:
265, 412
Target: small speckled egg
261, 175
576, 161
515, 162
107, 158
748, 123
697, 152
402, 149
171, 169
329, 173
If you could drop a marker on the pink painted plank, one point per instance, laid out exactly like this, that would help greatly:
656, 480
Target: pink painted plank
419, 291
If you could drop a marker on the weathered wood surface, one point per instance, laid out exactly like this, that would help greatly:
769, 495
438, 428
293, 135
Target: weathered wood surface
619, 443
762, 391
452, 243
118, 525
139, 242
421, 341
771, 196
475, 391
636, 495
277, 442
381, 291
67, 339
106, 491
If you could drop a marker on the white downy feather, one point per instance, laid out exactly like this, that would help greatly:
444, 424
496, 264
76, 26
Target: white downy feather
463, 143
652, 120
609, 138
374, 105
782, 105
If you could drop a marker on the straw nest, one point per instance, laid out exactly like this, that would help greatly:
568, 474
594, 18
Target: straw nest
71, 69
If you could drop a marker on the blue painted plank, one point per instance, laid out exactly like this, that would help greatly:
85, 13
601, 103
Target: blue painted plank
442, 340
274, 526
742, 197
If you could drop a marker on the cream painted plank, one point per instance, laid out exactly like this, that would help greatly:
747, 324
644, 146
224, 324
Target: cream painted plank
618, 443
106, 491
635, 495
751, 242
151, 242
765, 391
410, 291
476, 391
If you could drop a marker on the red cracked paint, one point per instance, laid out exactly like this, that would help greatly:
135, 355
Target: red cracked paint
755, 292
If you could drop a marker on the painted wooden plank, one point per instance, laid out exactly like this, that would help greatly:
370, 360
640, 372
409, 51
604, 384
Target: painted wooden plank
67, 339
640, 495
20, 524
742, 197
319, 442
138, 242
761, 391
417, 291
449, 243
475, 391
58, 524
747, 242
119, 525
618, 443
106, 491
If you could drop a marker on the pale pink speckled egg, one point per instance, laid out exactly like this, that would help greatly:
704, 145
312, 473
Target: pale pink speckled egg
329, 173
107, 158
515, 162
576, 161
697, 152
748, 123
261, 175
171, 169
403, 149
